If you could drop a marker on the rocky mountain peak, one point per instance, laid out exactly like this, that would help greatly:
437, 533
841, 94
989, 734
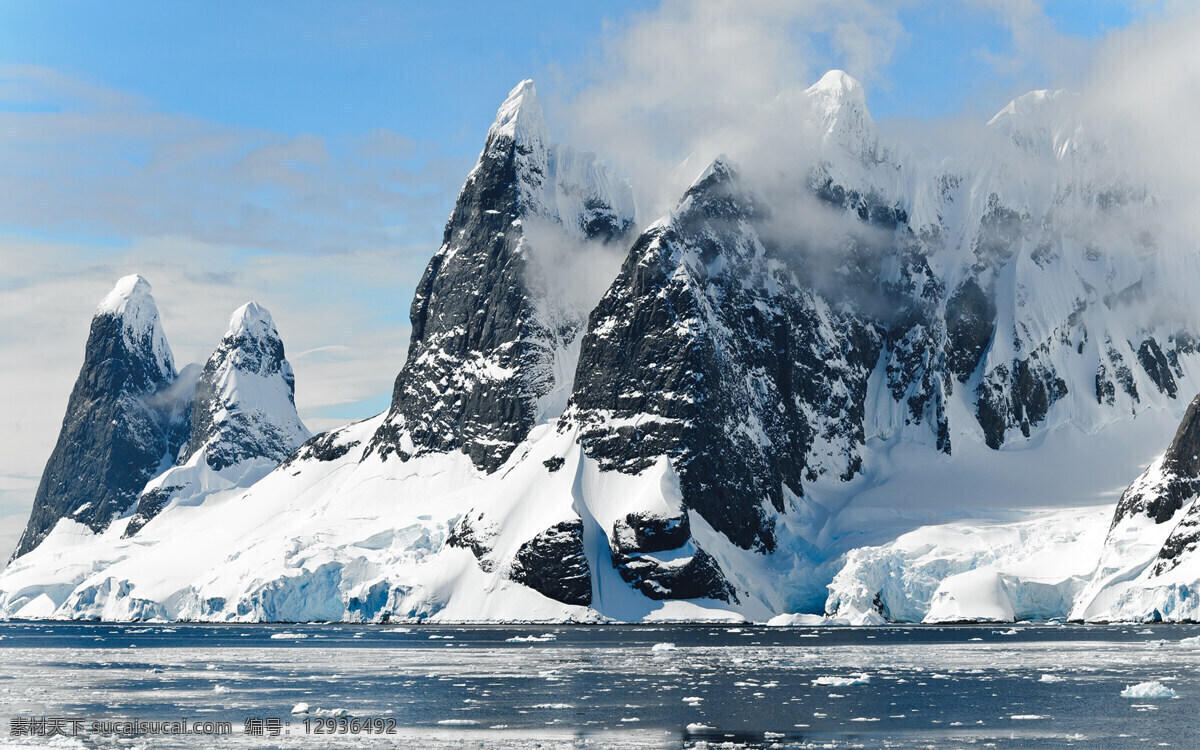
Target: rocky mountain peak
244, 405
252, 344
130, 292
719, 193
251, 319
1041, 122
838, 85
483, 353
122, 421
243, 419
1172, 482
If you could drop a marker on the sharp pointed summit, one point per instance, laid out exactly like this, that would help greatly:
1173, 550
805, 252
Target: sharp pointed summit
1044, 123
245, 405
120, 426
520, 118
131, 303
251, 319
483, 353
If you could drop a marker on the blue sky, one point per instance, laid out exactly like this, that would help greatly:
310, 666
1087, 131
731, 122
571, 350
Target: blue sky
306, 154
435, 72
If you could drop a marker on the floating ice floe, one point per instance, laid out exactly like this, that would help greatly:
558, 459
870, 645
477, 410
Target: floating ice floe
838, 681
532, 638
1152, 689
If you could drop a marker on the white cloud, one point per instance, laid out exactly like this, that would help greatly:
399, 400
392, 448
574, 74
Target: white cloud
695, 79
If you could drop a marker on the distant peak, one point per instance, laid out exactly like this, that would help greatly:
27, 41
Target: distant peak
251, 319
839, 84
523, 90
130, 292
841, 104
1029, 105
520, 116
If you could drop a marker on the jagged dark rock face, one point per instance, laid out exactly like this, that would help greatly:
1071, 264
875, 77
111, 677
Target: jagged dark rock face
1001, 231
473, 533
970, 323
328, 446
465, 385
689, 573
1176, 489
1019, 396
646, 532
149, 505
1156, 365
881, 276
115, 436
1180, 472
555, 565
692, 356
477, 359
1182, 543
1010, 394
694, 577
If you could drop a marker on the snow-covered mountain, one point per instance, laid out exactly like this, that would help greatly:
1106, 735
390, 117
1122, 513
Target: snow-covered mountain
243, 419
885, 388
123, 422
139, 438
492, 343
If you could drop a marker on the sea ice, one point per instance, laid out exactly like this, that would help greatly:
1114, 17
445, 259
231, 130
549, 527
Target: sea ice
837, 681
1152, 689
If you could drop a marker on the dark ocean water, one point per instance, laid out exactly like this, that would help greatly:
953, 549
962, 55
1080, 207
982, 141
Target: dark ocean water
602, 686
